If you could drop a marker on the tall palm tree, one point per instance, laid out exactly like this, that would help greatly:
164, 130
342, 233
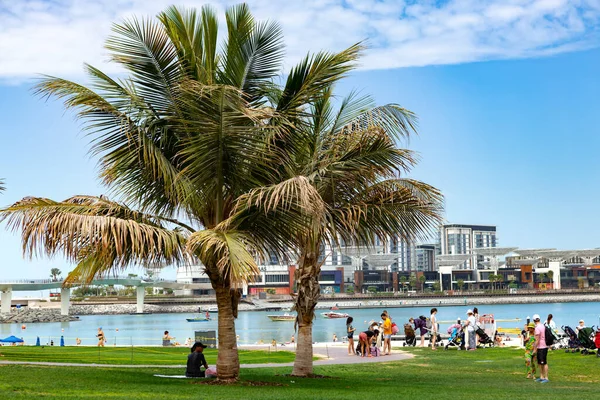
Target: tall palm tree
55, 273
182, 142
350, 157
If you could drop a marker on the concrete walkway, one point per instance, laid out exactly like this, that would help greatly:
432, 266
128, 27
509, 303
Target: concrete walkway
333, 355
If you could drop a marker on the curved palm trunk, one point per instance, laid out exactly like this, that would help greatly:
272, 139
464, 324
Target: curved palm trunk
228, 362
308, 292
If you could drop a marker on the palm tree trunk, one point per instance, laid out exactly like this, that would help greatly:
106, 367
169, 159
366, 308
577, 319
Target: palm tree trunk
308, 292
303, 363
228, 362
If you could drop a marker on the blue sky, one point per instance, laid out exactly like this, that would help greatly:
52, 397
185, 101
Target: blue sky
508, 123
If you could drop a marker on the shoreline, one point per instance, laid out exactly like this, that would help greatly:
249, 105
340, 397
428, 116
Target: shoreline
53, 315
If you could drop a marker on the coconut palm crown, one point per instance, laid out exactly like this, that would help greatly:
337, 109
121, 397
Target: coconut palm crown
183, 141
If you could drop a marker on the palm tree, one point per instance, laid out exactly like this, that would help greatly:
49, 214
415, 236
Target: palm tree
551, 277
422, 280
350, 158
182, 143
2, 188
55, 273
403, 280
460, 283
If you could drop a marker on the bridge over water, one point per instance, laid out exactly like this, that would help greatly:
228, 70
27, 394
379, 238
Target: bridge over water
8, 287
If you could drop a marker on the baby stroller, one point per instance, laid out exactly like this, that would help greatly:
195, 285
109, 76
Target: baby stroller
410, 339
457, 339
484, 338
573, 343
586, 338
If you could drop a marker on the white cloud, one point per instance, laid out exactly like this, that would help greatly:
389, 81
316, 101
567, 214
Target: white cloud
56, 37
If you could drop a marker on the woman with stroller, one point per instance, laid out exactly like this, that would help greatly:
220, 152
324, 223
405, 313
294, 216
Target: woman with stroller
350, 333
530, 361
420, 324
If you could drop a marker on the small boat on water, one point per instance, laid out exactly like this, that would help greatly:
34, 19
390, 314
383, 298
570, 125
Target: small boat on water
334, 315
198, 319
213, 309
284, 317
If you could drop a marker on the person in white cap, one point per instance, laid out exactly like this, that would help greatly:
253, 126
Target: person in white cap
541, 349
580, 326
470, 325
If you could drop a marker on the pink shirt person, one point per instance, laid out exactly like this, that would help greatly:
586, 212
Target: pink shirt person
540, 330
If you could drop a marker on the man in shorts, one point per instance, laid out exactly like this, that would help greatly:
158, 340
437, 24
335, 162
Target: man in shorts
541, 349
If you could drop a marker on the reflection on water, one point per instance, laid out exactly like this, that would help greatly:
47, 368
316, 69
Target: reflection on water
255, 326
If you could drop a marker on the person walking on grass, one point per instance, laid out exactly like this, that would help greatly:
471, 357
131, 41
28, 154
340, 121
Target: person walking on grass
470, 325
350, 333
530, 357
387, 334
434, 328
420, 324
541, 349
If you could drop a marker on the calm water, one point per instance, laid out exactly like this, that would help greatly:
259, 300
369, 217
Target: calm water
255, 326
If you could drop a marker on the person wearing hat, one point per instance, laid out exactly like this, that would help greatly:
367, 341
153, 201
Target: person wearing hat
541, 349
195, 361
470, 325
530, 361
580, 326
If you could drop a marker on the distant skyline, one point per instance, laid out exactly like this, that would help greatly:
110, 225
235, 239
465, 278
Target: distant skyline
511, 142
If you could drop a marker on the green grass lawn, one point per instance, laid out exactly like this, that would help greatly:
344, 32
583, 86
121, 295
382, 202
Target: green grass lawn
484, 374
132, 355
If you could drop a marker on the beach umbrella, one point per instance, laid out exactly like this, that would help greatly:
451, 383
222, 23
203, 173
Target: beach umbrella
37, 342
11, 339
62, 341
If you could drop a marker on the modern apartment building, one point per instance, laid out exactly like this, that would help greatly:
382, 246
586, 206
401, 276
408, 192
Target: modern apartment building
462, 239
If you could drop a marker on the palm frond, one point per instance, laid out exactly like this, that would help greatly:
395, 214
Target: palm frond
226, 255
85, 227
145, 50
254, 52
313, 75
2, 187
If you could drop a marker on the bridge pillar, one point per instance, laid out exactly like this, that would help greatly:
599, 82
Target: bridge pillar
6, 300
65, 301
141, 291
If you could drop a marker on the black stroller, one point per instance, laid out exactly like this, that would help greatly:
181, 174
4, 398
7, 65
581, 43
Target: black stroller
573, 344
410, 339
457, 339
484, 338
586, 338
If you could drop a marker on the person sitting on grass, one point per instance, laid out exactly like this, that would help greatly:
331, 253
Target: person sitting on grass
530, 361
195, 361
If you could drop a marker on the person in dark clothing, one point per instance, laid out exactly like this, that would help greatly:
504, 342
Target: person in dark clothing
420, 324
195, 361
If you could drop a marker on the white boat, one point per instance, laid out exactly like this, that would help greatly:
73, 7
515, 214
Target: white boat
334, 315
284, 317
213, 309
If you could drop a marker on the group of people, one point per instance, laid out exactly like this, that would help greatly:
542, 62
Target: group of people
378, 334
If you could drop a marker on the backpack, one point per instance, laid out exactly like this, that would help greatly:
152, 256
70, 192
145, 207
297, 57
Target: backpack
549, 336
395, 328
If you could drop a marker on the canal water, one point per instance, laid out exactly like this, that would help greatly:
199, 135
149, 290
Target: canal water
253, 327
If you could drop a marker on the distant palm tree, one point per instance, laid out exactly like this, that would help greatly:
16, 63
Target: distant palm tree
2, 188
422, 280
183, 140
55, 274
